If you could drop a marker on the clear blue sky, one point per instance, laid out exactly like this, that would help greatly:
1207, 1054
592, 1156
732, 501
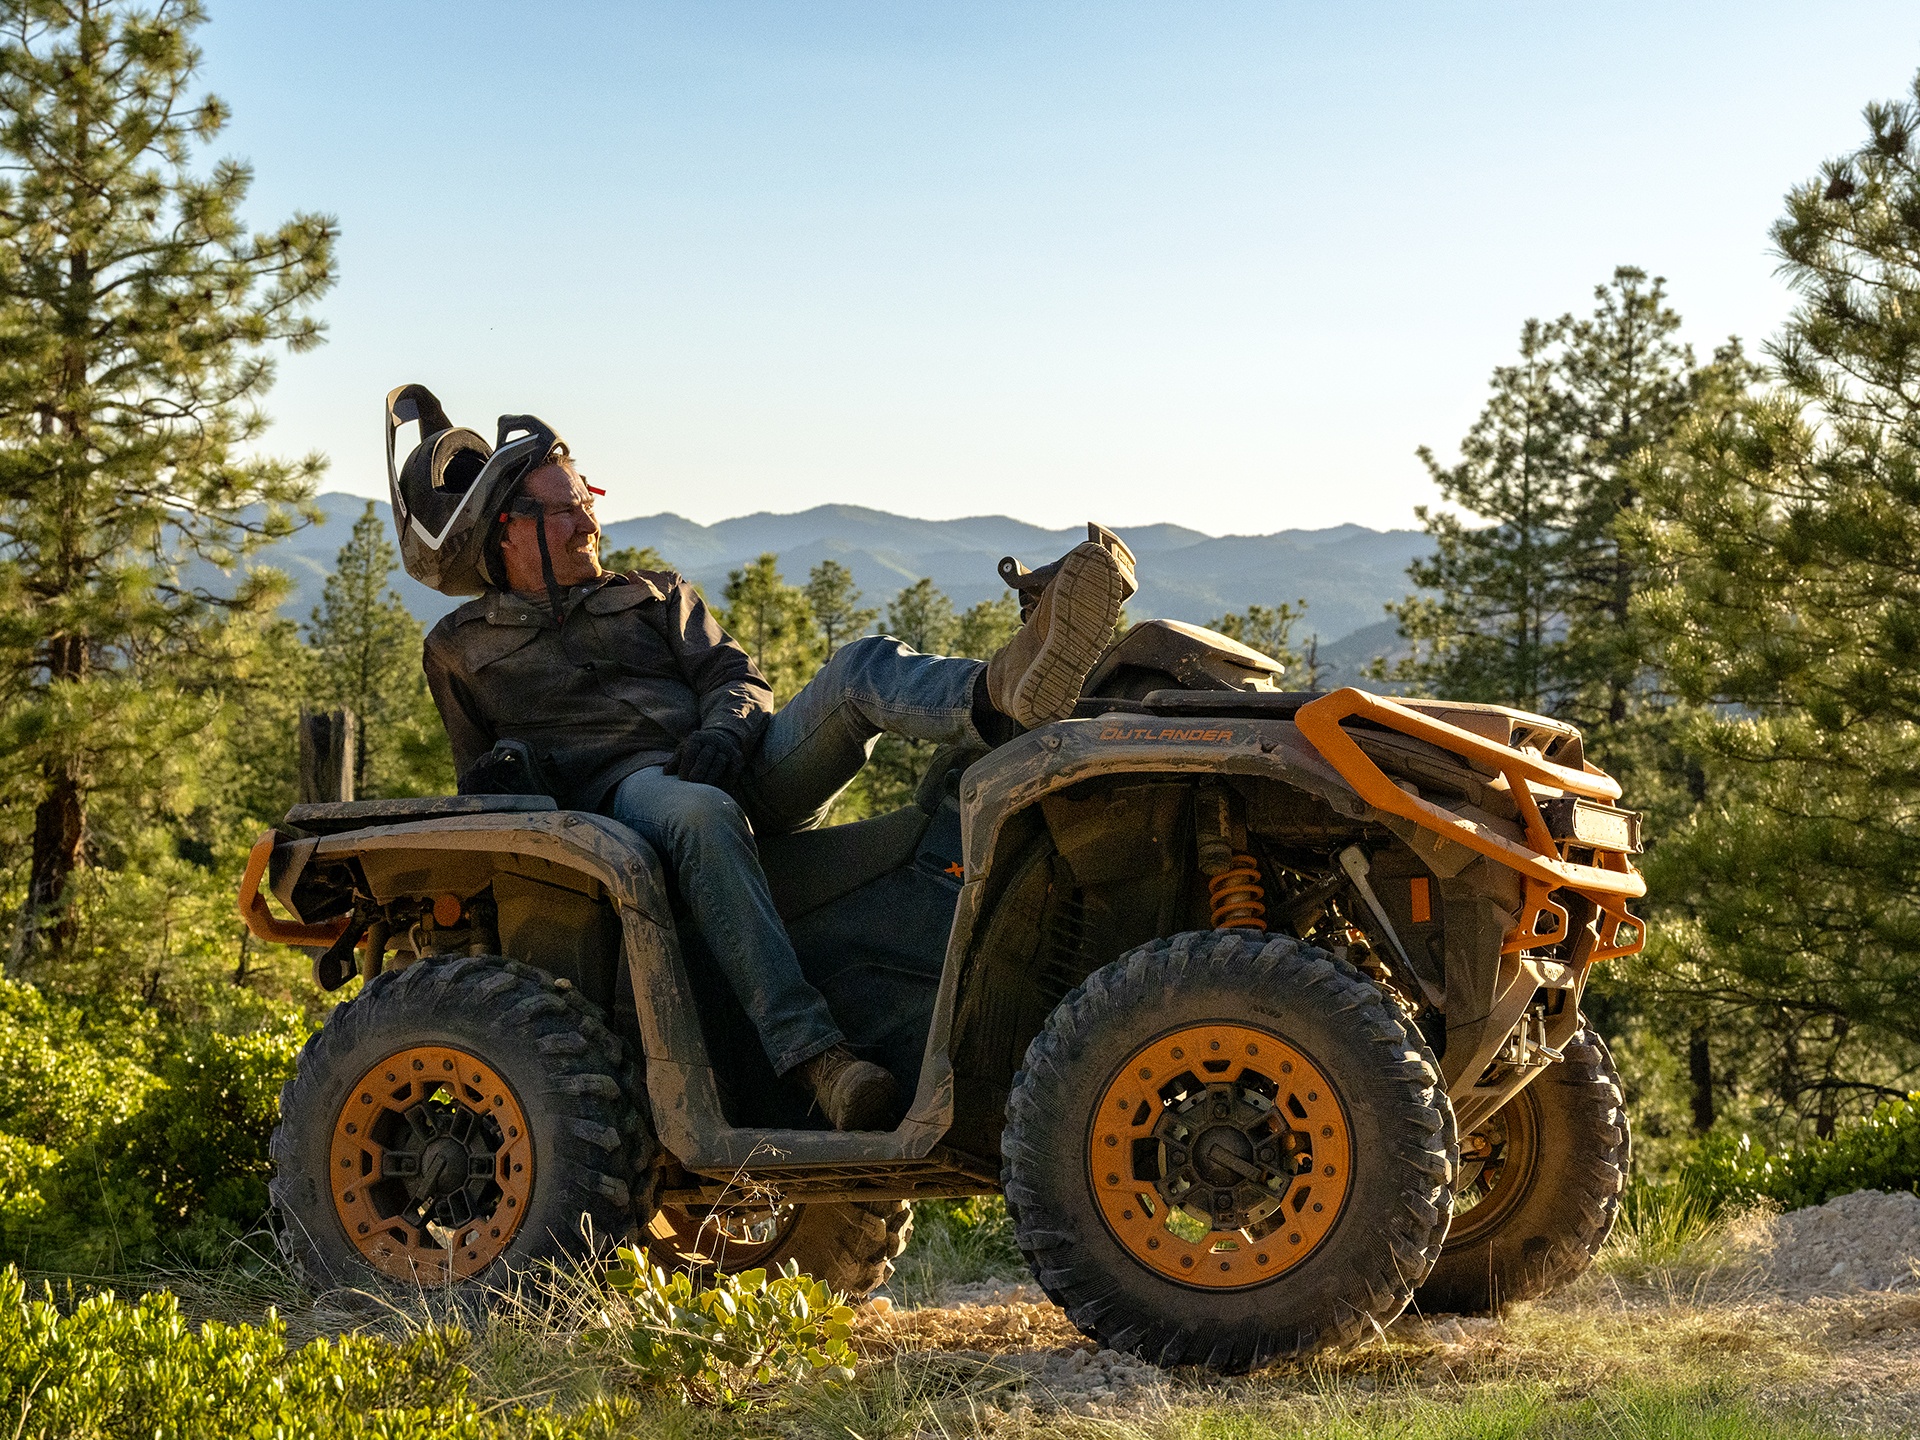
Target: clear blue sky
1213, 263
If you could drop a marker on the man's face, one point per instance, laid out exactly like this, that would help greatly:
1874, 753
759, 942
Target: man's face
573, 534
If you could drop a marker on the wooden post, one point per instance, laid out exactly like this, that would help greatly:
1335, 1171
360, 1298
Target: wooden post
328, 743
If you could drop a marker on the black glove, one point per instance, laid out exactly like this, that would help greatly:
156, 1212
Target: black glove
709, 757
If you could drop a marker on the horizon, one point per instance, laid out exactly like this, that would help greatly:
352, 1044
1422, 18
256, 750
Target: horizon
605, 523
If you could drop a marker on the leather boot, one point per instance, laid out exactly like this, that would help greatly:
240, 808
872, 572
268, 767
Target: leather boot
854, 1094
1070, 608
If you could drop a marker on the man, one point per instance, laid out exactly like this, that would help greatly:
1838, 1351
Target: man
640, 706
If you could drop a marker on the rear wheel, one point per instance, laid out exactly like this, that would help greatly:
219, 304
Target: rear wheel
851, 1245
460, 1120
1540, 1184
1225, 1149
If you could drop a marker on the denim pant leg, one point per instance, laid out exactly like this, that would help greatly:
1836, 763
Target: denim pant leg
703, 835
821, 737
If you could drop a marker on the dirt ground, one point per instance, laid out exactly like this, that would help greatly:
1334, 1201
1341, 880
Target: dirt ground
1817, 1309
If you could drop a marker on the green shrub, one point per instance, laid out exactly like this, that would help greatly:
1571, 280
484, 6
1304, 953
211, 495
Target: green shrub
106, 1162
196, 1152
60, 1086
1881, 1152
109, 1367
731, 1340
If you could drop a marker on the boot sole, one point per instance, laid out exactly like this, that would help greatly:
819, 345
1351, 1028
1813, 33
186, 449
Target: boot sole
1086, 598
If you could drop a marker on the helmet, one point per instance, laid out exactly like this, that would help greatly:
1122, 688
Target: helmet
451, 495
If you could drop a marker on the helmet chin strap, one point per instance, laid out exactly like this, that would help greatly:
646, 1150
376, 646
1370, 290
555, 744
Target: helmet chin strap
556, 597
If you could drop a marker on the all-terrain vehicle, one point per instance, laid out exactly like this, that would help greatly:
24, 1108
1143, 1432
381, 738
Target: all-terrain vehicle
1261, 1008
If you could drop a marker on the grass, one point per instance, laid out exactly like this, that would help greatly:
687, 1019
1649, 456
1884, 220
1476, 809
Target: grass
956, 1242
1659, 1340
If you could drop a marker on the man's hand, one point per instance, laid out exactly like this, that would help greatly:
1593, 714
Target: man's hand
708, 757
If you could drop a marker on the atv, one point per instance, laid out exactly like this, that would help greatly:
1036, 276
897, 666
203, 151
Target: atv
1261, 1008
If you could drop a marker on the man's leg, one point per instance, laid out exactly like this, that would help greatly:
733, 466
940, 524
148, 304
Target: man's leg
821, 737
703, 836
874, 686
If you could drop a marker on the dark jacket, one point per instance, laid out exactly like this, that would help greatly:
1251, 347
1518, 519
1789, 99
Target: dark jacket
639, 664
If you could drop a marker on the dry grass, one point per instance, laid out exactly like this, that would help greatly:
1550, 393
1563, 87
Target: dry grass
1671, 1334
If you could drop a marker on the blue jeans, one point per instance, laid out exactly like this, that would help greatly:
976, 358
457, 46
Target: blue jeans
811, 751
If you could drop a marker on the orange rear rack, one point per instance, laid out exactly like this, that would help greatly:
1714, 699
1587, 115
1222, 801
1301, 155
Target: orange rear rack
1540, 861
263, 922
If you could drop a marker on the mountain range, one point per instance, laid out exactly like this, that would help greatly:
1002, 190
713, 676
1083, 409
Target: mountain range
1346, 574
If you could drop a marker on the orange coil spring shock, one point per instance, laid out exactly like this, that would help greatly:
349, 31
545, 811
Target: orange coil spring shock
1239, 900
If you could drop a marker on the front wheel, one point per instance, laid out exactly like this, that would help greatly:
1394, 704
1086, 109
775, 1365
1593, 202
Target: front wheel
1226, 1149
459, 1121
1540, 1184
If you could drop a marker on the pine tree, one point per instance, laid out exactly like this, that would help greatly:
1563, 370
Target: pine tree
633, 557
1786, 531
135, 312
773, 621
366, 648
1628, 383
837, 610
985, 627
1493, 628
923, 618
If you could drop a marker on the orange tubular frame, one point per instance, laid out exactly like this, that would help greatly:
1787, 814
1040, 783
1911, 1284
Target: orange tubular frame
1539, 861
262, 922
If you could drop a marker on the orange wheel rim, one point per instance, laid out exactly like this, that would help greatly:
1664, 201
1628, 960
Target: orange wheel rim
432, 1165
1220, 1155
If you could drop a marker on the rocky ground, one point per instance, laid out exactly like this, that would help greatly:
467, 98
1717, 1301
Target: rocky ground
1819, 1308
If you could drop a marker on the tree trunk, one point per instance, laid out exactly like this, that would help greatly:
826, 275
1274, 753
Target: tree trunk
1700, 1072
59, 826
328, 742
59, 831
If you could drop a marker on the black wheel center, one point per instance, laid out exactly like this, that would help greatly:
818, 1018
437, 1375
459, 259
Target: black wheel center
439, 1164
1222, 1155
1224, 1150
443, 1166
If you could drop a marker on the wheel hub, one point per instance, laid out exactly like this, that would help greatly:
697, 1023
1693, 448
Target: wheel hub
1219, 1155
432, 1165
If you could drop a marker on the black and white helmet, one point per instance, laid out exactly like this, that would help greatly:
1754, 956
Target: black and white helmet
451, 496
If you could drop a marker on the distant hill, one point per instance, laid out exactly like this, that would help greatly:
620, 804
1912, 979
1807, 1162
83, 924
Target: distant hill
1346, 574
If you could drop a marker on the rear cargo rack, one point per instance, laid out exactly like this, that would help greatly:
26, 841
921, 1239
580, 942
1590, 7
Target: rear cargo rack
1540, 860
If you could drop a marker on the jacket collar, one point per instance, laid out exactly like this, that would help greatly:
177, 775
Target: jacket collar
505, 607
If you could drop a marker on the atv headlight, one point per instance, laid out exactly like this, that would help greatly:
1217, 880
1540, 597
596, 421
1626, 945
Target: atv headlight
1585, 823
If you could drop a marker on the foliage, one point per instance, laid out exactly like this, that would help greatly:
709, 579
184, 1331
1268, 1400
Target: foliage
106, 1367
1881, 1152
1494, 627
122, 1143
774, 622
730, 1340
835, 602
136, 309
922, 617
956, 1242
1535, 608
1786, 530
634, 557
366, 656
985, 627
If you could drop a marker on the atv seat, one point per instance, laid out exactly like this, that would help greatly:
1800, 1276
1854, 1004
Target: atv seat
334, 816
809, 869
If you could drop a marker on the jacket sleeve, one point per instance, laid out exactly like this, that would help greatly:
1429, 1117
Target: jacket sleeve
733, 694
467, 729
